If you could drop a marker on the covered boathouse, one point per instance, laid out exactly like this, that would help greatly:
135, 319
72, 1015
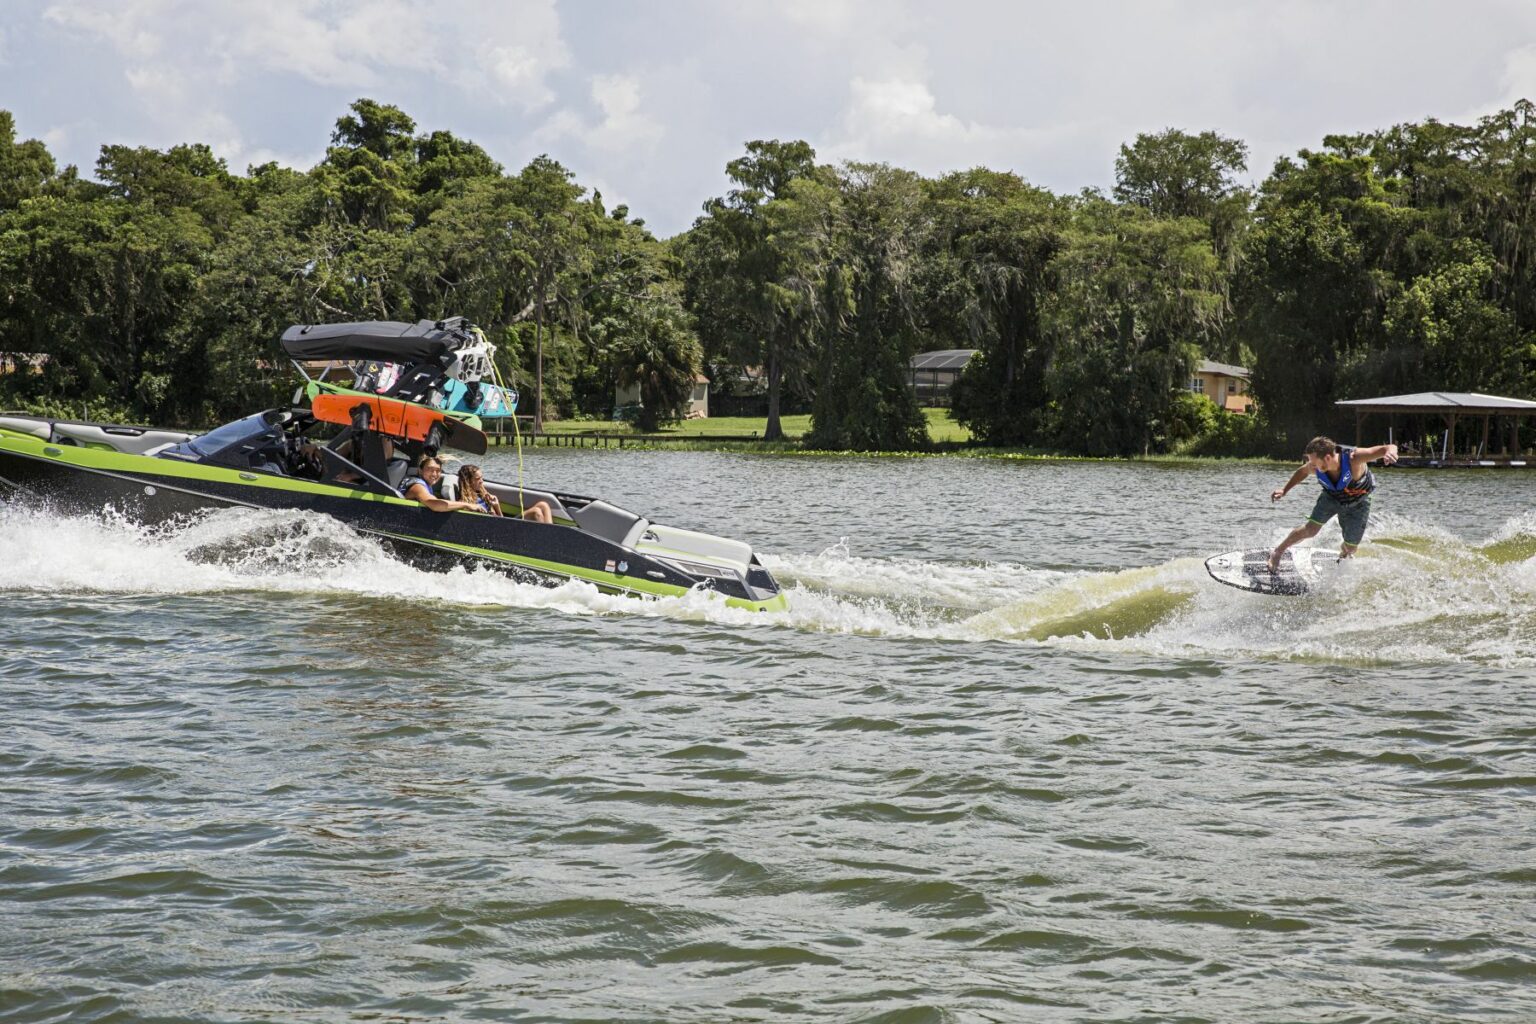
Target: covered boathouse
1447, 428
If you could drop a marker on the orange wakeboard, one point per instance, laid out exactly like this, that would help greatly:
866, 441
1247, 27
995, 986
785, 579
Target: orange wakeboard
398, 419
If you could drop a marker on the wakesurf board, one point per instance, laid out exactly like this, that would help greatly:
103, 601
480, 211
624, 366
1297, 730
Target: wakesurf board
1249, 570
400, 419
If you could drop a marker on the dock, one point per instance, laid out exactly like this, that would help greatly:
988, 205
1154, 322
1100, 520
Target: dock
501, 432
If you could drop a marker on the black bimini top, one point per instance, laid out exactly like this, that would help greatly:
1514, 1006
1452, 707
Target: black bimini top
385, 340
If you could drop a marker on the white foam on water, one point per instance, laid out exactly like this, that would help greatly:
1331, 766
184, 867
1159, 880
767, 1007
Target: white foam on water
967, 585
1414, 594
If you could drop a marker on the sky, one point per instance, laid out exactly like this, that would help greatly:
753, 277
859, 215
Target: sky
647, 101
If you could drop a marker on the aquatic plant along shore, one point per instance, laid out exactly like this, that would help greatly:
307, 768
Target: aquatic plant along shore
1009, 755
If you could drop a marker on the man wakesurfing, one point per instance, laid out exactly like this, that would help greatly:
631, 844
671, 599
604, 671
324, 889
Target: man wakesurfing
1347, 480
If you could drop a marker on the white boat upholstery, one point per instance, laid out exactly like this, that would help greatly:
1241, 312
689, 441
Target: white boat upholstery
27, 425
610, 523
509, 500
669, 540
128, 440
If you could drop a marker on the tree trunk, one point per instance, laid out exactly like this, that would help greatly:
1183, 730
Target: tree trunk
774, 430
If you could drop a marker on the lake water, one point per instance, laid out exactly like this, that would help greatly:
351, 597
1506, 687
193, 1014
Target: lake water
1010, 756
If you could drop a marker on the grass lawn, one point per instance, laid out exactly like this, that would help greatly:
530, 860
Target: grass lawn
940, 426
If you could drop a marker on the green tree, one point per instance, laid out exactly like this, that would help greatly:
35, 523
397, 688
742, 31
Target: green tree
740, 288
651, 346
864, 399
1137, 298
25, 167
987, 274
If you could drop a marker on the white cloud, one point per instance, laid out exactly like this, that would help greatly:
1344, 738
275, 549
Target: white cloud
1519, 79
623, 126
900, 108
498, 50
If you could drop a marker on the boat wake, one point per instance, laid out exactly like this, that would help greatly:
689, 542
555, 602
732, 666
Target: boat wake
1414, 594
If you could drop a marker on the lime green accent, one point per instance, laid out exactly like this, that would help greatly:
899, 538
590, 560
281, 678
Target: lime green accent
118, 462
608, 580
315, 387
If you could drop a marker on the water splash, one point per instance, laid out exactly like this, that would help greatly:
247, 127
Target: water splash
1415, 593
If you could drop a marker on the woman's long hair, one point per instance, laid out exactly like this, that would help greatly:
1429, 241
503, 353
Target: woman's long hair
472, 485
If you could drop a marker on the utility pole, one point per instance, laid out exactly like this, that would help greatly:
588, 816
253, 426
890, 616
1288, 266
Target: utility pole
538, 401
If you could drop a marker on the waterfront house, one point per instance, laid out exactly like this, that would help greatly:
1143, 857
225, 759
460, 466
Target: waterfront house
698, 401
1224, 384
933, 374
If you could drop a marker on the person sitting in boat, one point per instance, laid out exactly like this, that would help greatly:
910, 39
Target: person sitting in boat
422, 487
472, 489
1347, 481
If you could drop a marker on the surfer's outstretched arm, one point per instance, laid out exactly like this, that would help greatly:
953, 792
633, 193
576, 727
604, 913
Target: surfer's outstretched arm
1297, 477
1387, 453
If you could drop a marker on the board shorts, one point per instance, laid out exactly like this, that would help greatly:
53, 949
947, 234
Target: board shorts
1352, 515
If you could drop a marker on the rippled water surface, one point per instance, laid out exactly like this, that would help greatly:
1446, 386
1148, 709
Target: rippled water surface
1010, 756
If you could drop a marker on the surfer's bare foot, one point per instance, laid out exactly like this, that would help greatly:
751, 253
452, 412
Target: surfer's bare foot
1274, 562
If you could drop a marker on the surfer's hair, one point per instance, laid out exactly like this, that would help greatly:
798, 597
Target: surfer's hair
1321, 446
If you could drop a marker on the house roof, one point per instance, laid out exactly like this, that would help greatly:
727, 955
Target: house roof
1442, 401
1225, 369
943, 359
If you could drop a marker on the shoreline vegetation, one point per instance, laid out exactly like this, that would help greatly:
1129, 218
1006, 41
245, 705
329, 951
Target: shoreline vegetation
949, 440
1388, 261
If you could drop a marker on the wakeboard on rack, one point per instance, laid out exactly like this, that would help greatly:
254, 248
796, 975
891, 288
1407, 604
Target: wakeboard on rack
401, 419
1249, 570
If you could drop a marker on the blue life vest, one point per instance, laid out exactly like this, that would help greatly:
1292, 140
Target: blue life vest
1347, 489
411, 481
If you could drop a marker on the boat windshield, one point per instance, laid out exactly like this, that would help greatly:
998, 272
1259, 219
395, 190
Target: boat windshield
216, 440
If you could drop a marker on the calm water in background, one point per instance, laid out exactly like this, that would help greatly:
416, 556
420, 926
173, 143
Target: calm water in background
1011, 756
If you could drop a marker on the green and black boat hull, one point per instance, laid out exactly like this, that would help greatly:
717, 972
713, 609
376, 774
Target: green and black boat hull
77, 479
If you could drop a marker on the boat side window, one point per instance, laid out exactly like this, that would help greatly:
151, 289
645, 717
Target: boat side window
252, 429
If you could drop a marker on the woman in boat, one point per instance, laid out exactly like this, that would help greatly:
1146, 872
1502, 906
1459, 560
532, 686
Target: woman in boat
422, 487
472, 489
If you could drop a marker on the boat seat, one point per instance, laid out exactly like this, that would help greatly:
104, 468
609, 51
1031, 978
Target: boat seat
37, 428
610, 523
509, 499
396, 469
128, 440
663, 541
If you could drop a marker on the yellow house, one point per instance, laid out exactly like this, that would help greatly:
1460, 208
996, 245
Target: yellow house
1223, 384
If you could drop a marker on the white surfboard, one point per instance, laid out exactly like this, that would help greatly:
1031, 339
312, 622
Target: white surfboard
1249, 570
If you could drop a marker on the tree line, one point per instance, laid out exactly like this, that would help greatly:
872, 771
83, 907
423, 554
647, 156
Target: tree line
1380, 263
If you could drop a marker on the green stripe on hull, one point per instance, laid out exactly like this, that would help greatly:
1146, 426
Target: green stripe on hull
606, 580
118, 462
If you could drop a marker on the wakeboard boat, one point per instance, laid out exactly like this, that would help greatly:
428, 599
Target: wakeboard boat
344, 450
